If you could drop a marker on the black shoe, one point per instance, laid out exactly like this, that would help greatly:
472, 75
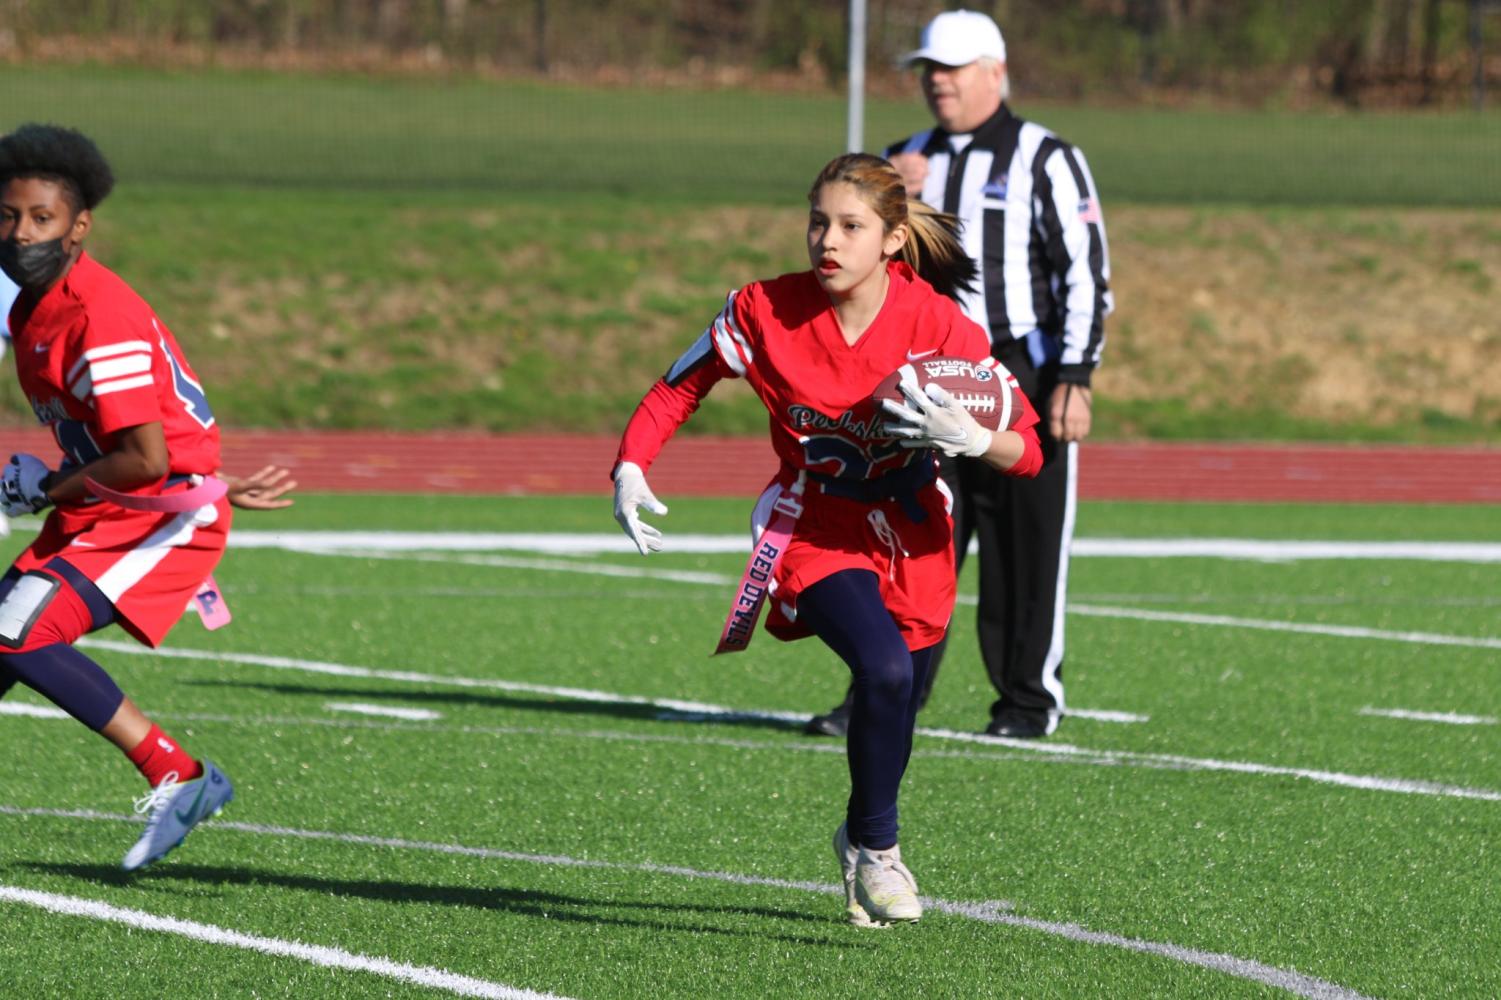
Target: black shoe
834, 722
1018, 725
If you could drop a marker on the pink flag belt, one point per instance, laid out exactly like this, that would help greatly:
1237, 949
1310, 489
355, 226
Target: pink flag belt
760, 570
207, 492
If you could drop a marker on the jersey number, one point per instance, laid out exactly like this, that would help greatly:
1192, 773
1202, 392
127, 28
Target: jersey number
77, 443
852, 461
189, 391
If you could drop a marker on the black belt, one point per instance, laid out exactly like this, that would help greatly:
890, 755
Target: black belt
901, 486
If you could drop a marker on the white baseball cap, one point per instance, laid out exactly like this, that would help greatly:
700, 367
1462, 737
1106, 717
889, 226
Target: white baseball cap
958, 38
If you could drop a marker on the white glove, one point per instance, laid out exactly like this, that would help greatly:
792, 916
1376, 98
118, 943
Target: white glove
21, 489
631, 492
933, 419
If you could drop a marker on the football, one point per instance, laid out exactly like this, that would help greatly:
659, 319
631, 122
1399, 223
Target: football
991, 395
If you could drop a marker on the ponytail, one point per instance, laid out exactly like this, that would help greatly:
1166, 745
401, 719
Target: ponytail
934, 250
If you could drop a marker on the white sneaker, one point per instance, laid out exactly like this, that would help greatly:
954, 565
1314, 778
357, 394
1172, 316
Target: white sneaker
173, 808
848, 855
884, 887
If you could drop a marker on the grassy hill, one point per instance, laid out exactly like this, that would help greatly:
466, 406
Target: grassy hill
340, 252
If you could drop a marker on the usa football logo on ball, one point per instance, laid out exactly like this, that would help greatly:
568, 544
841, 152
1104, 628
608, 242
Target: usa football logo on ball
984, 388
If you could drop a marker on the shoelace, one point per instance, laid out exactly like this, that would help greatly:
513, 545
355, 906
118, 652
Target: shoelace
156, 799
887, 536
888, 865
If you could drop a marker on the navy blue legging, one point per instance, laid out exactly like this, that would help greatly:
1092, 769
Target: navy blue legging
845, 610
60, 673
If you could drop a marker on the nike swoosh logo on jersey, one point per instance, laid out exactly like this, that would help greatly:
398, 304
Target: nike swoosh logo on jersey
41, 348
919, 355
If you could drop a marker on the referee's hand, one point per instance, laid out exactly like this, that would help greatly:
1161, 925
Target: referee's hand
1069, 412
914, 170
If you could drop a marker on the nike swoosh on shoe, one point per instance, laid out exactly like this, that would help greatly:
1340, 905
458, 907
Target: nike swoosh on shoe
188, 820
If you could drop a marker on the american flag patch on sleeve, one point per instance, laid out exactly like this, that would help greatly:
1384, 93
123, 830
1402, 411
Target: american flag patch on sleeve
1089, 210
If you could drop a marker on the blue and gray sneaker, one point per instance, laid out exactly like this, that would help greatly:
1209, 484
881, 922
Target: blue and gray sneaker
173, 808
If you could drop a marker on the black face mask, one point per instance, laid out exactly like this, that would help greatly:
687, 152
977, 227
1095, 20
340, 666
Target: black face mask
35, 265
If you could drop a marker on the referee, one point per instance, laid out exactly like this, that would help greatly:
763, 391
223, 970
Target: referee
1031, 218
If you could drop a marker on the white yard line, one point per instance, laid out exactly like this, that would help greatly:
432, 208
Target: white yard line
1452, 718
1405, 786
1103, 715
331, 958
405, 676
1265, 625
991, 911
602, 543
388, 711
547, 565
1285, 550
1085, 610
1406, 599
1001, 749
31, 711
1062, 753
701, 709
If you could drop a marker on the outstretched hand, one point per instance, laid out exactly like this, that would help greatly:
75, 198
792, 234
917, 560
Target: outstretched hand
631, 493
263, 489
934, 419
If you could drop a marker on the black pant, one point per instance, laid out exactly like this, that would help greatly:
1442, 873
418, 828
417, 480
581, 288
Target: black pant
1024, 528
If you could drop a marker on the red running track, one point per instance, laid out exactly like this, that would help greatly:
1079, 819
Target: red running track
503, 464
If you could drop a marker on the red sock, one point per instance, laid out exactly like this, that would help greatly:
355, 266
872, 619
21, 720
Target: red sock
157, 754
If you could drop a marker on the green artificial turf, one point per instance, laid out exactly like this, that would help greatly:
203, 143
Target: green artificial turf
1226, 822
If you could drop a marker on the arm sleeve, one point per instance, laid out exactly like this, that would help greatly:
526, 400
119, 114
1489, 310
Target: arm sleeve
732, 334
1030, 464
1025, 425
1073, 230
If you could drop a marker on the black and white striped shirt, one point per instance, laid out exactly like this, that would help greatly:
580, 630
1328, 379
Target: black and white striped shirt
1032, 220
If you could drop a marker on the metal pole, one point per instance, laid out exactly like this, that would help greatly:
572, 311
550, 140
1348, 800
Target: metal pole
539, 33
855, 133
1477, 48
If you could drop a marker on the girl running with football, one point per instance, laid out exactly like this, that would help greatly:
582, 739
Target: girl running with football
138, 518
853, 535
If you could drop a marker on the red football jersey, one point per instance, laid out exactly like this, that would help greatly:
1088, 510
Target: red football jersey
93, 359
783, 338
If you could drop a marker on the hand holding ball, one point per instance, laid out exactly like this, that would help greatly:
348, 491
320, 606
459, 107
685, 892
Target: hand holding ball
984, 388
952, 404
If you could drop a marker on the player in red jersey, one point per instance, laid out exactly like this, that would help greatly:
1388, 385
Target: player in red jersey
105, 373
862, 555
